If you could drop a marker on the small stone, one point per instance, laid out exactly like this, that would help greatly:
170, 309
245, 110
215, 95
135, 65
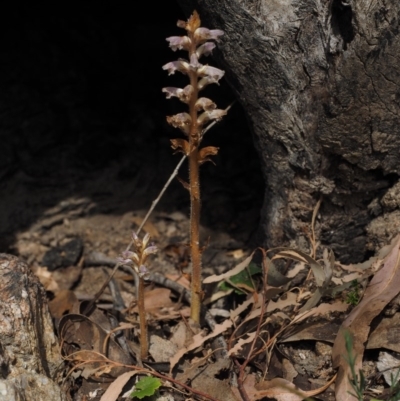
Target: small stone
63, 256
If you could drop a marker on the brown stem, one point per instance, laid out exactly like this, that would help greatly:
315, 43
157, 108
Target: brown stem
194, 235
144, 344
194, 188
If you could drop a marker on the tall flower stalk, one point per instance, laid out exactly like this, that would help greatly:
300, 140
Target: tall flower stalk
201, 111
137, 259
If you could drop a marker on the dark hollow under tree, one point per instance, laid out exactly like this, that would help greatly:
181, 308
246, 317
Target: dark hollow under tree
319, 81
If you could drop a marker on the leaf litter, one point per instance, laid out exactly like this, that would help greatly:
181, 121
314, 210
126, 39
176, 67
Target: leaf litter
257, 351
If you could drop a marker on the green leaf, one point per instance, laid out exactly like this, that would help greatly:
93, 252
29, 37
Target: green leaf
242, 278
146, 387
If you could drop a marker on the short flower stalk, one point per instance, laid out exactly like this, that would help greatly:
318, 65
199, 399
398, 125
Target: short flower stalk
137, 260
201, 111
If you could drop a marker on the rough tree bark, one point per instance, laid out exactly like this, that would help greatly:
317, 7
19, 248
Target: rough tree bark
29, 352
319, 81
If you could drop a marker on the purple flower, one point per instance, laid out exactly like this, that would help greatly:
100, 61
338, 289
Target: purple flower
142, 271
211, 76
205, 49
204, 103
179, 42
150, 250
212, 72
210, 115
128, 254
128, 257
183, 95
181, 121
203, 34
194, 62
206, 81
180, 65
123, 261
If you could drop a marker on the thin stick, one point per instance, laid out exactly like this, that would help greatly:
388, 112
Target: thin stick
160, 195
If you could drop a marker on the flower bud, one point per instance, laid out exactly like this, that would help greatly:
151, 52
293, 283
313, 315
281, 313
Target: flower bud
145, 241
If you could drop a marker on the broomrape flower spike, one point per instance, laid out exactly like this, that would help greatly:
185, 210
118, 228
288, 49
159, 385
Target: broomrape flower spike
137, 259
198, 42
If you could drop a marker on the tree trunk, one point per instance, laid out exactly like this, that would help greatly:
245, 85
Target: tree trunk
319, 81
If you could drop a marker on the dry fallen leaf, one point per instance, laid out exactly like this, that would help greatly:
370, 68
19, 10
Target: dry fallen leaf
323, 329
384, 286
86, 341
180, 334
241, 342
161, 350
236, 254
322, 273
389, 365
46, 279
277, 389
208, 380
243, 306
148, 227
62, 303
386, 334
183, 281
299, 256
115, 388
198, 340
236, 270
157, 298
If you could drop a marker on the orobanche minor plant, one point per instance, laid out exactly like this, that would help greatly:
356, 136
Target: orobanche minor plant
200, 112
137, 259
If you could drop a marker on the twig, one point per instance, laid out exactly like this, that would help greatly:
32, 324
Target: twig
242, 391
155, 201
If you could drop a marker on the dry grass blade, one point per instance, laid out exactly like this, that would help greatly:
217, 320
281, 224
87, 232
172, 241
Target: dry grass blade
384, 286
